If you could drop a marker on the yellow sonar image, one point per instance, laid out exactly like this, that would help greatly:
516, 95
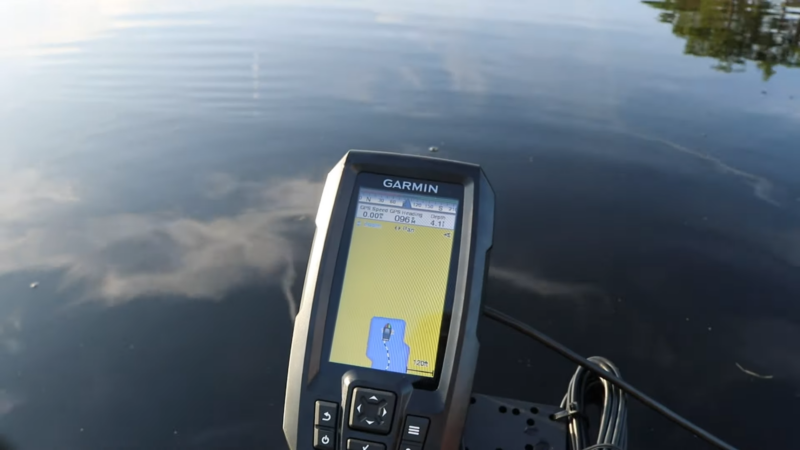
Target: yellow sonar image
395, 282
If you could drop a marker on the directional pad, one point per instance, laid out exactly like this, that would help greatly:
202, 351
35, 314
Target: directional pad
371, 410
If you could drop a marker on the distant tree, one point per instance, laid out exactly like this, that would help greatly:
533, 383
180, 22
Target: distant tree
736, 31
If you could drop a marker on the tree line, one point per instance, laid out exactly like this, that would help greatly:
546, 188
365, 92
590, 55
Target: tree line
735, 32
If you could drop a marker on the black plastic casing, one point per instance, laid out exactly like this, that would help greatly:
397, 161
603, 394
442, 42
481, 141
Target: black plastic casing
312, 377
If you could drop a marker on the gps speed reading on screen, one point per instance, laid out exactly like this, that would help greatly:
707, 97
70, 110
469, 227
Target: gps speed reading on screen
395, 282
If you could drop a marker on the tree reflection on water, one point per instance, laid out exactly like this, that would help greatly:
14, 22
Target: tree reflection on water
735, 31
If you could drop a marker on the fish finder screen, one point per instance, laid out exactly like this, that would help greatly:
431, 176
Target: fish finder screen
395, 282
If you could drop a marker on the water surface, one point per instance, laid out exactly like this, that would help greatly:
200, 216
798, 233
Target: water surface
161, 163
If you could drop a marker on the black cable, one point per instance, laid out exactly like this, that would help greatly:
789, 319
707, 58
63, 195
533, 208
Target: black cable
611, 378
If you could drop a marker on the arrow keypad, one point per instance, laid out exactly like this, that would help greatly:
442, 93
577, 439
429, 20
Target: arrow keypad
371, 410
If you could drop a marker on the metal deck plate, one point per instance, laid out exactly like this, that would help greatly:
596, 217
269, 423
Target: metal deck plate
495, 423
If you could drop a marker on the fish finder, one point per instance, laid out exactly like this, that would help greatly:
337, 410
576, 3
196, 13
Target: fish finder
384, 346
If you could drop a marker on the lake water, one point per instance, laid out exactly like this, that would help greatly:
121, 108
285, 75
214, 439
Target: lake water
161, 163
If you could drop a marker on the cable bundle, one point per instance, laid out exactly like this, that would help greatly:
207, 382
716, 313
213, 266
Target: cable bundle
612, 432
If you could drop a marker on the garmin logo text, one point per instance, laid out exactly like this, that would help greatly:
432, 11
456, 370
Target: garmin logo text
409, 186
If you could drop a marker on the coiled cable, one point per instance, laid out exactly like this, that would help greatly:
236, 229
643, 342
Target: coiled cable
583, 388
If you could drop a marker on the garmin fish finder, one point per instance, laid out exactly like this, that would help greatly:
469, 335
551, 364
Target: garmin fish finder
385, 347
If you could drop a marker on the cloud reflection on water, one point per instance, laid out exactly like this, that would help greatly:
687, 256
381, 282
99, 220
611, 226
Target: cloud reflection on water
541, 286
119, 257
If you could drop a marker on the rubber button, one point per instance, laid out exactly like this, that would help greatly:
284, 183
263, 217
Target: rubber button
410, 446
324, 439
325, 414
415, 429
371, 410
358, 444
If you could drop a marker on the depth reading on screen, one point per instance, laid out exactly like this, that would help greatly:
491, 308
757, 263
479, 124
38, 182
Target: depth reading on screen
395, 282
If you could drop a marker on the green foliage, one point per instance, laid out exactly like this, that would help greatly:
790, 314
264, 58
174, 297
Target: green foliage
735, 31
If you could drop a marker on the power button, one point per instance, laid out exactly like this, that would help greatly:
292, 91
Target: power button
323, 439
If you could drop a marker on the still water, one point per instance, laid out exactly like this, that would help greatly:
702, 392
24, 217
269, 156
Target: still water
161, 162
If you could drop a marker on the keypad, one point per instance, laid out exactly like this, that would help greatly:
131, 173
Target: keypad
371, 410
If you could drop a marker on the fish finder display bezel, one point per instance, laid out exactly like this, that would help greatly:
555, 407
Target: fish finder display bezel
323, 399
